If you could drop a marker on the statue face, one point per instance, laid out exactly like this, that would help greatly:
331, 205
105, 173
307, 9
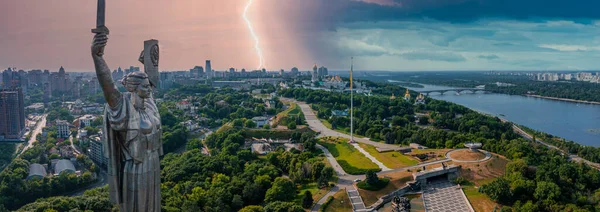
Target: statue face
144, 90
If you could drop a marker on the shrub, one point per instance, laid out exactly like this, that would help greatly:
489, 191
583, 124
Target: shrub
381, 183
353, 170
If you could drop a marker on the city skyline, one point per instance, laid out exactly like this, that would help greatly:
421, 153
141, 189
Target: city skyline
394, 35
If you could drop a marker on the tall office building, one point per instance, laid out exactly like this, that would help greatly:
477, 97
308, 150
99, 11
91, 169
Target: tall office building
315, 76
12, 114
209, 71
323, 72
232, 70
47, 93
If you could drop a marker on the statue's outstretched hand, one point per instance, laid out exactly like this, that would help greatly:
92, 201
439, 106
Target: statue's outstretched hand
99, 43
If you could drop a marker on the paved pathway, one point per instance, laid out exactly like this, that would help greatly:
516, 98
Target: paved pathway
356, 200
315, 124
344, 179
444, 196
364, 152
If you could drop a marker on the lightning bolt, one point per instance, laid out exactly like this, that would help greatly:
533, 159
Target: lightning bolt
256, 42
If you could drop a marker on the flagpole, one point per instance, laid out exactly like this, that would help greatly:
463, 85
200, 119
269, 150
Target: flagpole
351, 103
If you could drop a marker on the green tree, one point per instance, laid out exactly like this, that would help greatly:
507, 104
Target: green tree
238, 123
328, 173
291, 125
372, 178
252, 208
283, 207
547, 191
307, 200
283, 189
424, 120
250, 124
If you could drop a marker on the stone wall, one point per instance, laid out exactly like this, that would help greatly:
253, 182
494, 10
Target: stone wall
387, 198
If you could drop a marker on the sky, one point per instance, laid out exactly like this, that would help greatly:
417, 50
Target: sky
394, 35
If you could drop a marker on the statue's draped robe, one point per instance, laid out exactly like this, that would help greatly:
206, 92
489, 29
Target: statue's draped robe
133, 147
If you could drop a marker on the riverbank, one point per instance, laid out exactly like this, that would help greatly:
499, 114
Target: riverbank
563, 99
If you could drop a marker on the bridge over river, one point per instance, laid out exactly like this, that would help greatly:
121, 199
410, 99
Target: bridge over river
456, 90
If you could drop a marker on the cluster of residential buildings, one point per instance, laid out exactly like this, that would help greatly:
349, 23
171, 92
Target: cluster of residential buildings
581, 76
584, 76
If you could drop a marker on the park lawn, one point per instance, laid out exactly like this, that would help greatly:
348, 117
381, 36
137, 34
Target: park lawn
314, 190
343, 151
340, 203
225, 127
393, 159
293, 110
397, 181
479, 201
483, 172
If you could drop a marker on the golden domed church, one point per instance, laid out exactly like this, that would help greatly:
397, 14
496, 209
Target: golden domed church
407, 95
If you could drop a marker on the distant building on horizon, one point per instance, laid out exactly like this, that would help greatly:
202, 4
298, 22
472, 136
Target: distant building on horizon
209, 71
315, 76
322, 72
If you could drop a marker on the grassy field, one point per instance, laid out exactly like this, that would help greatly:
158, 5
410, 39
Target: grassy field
293, 110
224, 128
340, 203
391, 159
397, 181
479, 201
314, 190
351, 160
480, 174
467, 155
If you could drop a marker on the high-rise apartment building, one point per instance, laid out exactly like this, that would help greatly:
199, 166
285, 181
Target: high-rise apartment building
209, 71
12, 114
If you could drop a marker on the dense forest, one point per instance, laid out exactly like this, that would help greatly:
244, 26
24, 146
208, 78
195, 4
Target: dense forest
233, 178
393, 120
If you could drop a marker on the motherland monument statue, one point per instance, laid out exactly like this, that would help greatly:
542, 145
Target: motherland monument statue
132, 127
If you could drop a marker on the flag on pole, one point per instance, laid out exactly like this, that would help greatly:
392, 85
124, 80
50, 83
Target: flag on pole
351, 69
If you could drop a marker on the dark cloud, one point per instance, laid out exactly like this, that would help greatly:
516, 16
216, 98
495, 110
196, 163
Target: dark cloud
470, 10
434, 56
488, 57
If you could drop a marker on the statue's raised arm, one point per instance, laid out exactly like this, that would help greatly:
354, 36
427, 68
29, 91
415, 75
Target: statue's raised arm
111, 93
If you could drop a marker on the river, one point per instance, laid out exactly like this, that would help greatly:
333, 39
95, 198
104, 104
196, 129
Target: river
573, 121
577, 122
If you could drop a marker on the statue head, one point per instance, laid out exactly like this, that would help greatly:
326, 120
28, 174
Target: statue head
138, 83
